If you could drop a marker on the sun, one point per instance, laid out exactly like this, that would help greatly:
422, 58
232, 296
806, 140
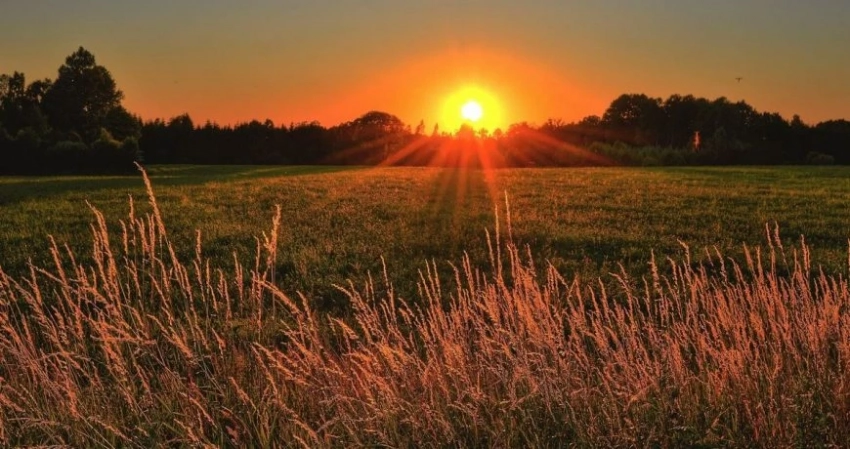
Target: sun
472, 111
471, 104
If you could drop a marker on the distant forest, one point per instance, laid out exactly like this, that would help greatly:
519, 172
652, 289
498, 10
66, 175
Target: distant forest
76, 124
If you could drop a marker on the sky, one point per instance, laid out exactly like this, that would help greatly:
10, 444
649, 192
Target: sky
332, 61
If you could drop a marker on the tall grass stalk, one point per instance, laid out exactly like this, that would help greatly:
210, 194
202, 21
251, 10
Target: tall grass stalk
137, 348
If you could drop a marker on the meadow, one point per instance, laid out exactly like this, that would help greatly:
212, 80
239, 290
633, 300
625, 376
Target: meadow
593, 307
338, 223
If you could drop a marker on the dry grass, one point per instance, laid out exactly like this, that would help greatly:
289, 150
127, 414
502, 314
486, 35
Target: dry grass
141, 349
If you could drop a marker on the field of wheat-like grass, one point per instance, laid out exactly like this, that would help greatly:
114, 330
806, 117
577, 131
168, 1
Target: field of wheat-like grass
138, 348
339, 222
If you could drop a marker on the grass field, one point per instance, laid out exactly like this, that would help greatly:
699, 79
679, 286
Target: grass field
338, 223
140, 341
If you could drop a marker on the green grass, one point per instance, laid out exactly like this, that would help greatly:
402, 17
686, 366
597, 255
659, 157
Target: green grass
339, 222
139, 346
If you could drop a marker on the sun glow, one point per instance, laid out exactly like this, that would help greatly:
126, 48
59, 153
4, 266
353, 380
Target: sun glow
471, 111
471, 105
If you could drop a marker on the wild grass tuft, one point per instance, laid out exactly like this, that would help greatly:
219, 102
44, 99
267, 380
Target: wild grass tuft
138, 348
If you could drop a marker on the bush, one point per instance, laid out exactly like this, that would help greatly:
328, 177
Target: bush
816, 158
28, 139
111, 156
131, 151
622, 154
69, 149
67, 156
23, 153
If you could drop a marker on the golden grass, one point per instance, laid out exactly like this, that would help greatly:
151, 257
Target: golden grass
138, 349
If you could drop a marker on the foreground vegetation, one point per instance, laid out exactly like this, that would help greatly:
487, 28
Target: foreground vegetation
138, 345
141, 347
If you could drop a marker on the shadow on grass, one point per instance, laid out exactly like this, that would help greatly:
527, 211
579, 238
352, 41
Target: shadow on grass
17, 189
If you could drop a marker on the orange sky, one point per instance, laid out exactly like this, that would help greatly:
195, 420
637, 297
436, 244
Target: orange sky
332, 61
434, 87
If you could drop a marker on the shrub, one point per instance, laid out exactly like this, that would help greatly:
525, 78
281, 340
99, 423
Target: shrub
816, 158
623, 154
67, 156
110, 155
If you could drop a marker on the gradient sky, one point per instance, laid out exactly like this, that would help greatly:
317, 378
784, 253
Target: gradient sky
331, 61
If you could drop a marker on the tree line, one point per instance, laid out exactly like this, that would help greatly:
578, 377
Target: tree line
77, 124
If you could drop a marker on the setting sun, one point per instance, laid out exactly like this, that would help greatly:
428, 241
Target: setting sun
471, 104
472, 111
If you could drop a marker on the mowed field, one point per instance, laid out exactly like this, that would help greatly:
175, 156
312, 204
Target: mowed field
337, 223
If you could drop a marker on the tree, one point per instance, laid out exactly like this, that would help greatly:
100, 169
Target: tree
466, 132
635, 118
82, 97
682, 116
377, 123
832, 137
122, 125
309, 143
375, 135
12, 88
420, 128
590, 121
20, 105
799, 139
181, 130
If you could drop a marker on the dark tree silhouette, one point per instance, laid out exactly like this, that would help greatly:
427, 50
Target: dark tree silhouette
832, 138
682, 114
77, 124
122, 124
82, 97
730, 133
635, 118
369, 139
420, 128
20, 104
